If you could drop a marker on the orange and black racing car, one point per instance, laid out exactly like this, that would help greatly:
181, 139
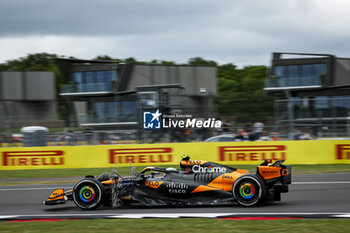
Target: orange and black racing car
196, 183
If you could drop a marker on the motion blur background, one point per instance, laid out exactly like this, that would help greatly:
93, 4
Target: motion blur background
101, 101
87, 71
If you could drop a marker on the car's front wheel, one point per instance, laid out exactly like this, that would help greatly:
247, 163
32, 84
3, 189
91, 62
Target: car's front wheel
248, 190
88, 194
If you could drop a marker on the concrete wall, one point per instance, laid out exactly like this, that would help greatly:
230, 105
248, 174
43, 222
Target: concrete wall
27, 85
39, 85
207, 79
31, 111
192, 78
11, 85
27, 96
342, 72
141, 76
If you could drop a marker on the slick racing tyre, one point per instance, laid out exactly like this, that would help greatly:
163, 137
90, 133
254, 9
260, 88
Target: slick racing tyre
248, 190
88, 194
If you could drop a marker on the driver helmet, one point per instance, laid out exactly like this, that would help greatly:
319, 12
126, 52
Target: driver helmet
170, 169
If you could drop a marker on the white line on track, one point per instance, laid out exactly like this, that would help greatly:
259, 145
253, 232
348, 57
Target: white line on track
323, 182
170, 215
174, 215
8, 216
49, 188
217, 215
341, 216
32, 189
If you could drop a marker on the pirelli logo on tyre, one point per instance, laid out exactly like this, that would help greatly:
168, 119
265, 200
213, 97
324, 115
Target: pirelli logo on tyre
252, 153
33, 158
342, 151
141, 155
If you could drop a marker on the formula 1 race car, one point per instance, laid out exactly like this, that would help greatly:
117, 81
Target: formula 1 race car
196, 183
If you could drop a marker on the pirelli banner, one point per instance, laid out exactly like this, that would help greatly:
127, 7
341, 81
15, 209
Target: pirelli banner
294, 152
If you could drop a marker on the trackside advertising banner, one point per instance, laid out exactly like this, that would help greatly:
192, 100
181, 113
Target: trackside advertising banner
294, 152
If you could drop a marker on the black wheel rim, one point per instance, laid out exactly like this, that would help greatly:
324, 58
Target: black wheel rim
87, 194
247, 191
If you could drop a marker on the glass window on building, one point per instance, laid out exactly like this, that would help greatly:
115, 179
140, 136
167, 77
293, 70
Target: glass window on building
111, 75
322, 106
77, 77
280, 76
98, 112
297, 75
342, 105
342, 101
113, 108
100, 76
93, 81
105, 111
89, 77
148, 99
322, 102
77, 82
129, 108
114, 111
293, 76
89, 81
312, 74
278, 71
320, 69
306, 75
110, 79
306, 71
100, 84
296, 103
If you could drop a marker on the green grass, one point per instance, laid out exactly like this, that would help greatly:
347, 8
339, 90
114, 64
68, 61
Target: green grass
73, 175
180, 225
54, 173
79, 172
320, 168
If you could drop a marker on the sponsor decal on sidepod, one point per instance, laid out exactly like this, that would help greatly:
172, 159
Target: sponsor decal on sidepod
201, 169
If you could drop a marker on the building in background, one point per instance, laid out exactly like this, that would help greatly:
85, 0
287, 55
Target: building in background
107, 95
28, 98
313, 91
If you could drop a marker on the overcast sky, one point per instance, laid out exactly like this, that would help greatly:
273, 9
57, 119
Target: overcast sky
242, 32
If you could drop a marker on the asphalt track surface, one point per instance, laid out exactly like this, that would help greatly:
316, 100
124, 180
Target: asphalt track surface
309, 193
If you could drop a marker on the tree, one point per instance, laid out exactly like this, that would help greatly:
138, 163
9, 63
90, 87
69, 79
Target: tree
104, 58
240, 93
198, 61
129, 59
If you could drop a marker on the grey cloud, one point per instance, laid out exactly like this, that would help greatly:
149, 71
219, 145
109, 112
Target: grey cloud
102, 17
242, 32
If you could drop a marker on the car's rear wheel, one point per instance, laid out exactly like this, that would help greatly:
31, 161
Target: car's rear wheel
88, 194
248, 190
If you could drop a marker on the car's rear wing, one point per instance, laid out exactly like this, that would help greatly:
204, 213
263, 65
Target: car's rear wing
272, 172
